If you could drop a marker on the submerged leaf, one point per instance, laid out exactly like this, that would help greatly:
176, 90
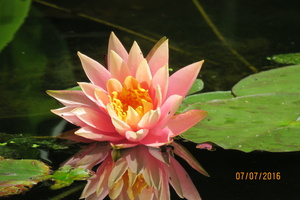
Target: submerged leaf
17, 176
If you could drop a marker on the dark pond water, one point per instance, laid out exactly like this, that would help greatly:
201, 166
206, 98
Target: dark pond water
234, 37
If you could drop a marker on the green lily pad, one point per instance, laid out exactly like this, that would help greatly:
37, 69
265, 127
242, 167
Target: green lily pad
66, 175
269, 122
290, 58
196, 87
285, 79
204, 97
17, 176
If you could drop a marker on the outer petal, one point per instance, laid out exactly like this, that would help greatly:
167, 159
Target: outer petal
159, 55
94, 119
97, 135
66, 113
181, 81
169, 108
135, 58
70, 97
97, 74
181, 122
115, 45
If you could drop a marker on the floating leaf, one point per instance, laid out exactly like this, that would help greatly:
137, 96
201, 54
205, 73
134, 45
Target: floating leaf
17, 176
196, 87
290, 58
66, 175
266, 121
285, 79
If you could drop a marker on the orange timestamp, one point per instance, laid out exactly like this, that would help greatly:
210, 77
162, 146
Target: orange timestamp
264, 176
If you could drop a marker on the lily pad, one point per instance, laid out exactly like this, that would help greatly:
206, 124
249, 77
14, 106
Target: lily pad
196, 87
66, 175
17, 176
269, 122
285, 79
290, 58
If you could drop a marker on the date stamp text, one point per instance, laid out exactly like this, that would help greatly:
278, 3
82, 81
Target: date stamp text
253, 176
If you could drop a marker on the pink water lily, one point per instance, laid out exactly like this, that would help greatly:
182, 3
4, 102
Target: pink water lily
136, 173
133, 101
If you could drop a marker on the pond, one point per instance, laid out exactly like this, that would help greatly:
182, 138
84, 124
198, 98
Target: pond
235, 38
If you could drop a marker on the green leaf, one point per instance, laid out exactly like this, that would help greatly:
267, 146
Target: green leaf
12, 15
204, 97
17, 176
266, 121
290, 58
196, 87
285, 79
66, 175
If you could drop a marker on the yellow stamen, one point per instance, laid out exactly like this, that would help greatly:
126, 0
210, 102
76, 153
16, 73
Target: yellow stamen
132, 95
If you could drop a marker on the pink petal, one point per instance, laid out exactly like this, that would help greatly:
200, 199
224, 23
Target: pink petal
118, 68
164, 192
157, 137
132, 118
89, 91
95, 119
70, 97
136, 136
66, 113
159, 55
97, 74
187, 187
143, 74
113, 85
182, 122
188, 157
115, 45
169, 108
102, 98
161, 78
181, 81
119, 125
150, 119
135, 58
97, 135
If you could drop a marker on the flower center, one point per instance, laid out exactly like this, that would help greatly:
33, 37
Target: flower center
132, 95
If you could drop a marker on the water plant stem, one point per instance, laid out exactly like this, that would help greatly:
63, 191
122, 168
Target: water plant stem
221, 37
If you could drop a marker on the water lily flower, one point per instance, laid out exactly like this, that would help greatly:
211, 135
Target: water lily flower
133, 101
136, 173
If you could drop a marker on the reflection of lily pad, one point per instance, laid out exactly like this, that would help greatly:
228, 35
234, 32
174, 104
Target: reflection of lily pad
17, 176
268, 121
12, 15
